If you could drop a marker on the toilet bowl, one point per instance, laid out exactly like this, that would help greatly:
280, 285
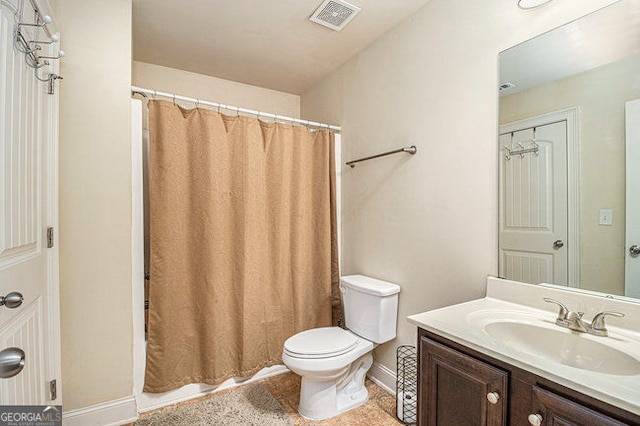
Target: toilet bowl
333, 362
332, 370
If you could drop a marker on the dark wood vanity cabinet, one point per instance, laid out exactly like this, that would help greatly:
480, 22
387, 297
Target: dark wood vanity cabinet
458, 386
454, 388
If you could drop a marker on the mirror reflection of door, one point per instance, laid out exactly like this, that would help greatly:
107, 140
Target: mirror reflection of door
533, 202
632, 139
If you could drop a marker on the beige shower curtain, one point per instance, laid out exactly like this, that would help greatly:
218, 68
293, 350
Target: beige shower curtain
243, 243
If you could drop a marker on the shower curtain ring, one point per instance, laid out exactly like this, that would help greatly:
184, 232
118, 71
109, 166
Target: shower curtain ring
155, 93
197, 103
174, 99
237, 111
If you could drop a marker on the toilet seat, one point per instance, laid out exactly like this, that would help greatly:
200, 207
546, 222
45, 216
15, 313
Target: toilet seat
324, 342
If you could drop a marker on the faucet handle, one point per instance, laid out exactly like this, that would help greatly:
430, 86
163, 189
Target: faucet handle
562, 313
598, 325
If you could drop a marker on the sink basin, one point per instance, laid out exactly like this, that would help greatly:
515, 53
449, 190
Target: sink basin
563, 346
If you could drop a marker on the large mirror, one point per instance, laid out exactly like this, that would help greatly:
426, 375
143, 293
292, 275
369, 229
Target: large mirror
570, 154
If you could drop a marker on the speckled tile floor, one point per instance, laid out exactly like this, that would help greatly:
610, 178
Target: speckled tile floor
379, 410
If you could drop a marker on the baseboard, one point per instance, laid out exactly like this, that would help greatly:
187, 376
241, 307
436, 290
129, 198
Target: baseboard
116, 412
383, 377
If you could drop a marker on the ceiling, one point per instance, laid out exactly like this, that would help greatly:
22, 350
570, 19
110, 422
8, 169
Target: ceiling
266, 43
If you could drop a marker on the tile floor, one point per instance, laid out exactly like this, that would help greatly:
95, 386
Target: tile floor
378, 411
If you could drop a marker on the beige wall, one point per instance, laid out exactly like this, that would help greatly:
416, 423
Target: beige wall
600, 95
427, 222
214, 89
95, 201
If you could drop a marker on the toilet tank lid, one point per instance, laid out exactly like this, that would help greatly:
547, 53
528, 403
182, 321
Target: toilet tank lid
370, 285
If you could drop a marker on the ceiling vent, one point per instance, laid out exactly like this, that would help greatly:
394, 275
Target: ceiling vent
334, 14
506, 86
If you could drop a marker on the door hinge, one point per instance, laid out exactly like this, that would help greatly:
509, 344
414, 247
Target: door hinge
50, 237
53, 390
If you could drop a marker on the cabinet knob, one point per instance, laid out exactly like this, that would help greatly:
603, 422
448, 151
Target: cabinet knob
493, 397
535, 419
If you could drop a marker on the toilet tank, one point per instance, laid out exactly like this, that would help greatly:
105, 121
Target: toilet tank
370, 307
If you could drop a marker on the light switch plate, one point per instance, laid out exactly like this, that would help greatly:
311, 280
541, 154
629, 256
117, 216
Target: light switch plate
606, 217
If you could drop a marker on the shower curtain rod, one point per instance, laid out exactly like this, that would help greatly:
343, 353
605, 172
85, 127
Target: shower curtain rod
142, 91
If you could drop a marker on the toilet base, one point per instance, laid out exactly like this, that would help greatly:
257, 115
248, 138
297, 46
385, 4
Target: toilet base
321, 400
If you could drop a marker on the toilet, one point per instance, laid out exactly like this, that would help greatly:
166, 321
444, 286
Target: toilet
332, 361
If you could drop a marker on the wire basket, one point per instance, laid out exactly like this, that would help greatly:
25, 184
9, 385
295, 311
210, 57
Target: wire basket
407, 384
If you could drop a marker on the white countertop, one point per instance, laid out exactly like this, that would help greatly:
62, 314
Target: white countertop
464, 324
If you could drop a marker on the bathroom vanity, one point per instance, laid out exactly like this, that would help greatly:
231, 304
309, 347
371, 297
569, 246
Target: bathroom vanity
503, 360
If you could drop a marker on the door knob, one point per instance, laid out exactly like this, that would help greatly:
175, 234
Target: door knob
634, 250
12, 300
11, 362
558, 244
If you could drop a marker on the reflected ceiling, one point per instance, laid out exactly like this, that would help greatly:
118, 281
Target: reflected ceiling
563, 52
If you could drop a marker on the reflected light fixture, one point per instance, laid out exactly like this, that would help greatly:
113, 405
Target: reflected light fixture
530, 4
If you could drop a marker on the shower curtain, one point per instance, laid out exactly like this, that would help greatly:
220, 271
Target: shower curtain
243, 240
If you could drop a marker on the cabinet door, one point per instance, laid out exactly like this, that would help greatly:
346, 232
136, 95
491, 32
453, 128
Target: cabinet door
456, 389
555, 410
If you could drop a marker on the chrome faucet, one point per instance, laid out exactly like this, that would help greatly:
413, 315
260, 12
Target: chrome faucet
573, 320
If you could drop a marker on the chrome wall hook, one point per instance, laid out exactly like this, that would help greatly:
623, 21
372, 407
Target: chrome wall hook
54, 39
40, 22
60, 55
30, 47
37, 66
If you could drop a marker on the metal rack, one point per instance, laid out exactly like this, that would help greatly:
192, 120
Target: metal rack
27, 39
407, 384
521, 151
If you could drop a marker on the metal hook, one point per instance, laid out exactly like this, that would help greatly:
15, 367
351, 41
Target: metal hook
40, 22
60, 55
237, 111
197, 103
38, 65
174, 99
218, 108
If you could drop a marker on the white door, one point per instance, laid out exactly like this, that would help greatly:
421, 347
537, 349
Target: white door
533, 204
28, 203
632, 261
